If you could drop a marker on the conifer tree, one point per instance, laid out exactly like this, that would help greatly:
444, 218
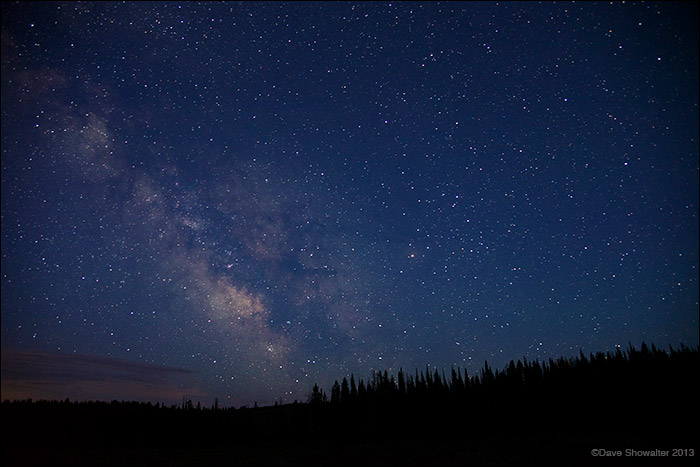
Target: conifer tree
316, 398
335, 393
428, 379
344, 391
361, 391
353, 388
456, 383
487, 375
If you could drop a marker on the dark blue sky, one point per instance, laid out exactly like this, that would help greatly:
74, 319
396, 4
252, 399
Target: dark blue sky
248, 198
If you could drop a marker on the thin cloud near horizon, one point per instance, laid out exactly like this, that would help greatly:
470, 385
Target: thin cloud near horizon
55, 376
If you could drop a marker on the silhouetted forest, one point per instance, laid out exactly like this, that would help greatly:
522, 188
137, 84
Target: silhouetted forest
550, 412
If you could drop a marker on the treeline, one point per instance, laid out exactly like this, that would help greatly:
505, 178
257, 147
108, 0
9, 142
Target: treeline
146, 423
640, 391
647, 365
624, 388
187, 405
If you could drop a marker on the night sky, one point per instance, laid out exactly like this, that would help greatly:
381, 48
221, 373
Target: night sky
239, 200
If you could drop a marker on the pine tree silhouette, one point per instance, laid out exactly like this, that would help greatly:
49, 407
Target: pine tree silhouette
353, 388
335, 393
316, 397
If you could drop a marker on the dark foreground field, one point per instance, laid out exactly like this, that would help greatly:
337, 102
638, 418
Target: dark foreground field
562, 445
522, 451
627, 408
536, 448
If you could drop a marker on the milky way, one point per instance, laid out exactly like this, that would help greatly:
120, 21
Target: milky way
255, 197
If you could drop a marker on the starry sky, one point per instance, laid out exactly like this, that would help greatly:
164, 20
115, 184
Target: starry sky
239, 200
